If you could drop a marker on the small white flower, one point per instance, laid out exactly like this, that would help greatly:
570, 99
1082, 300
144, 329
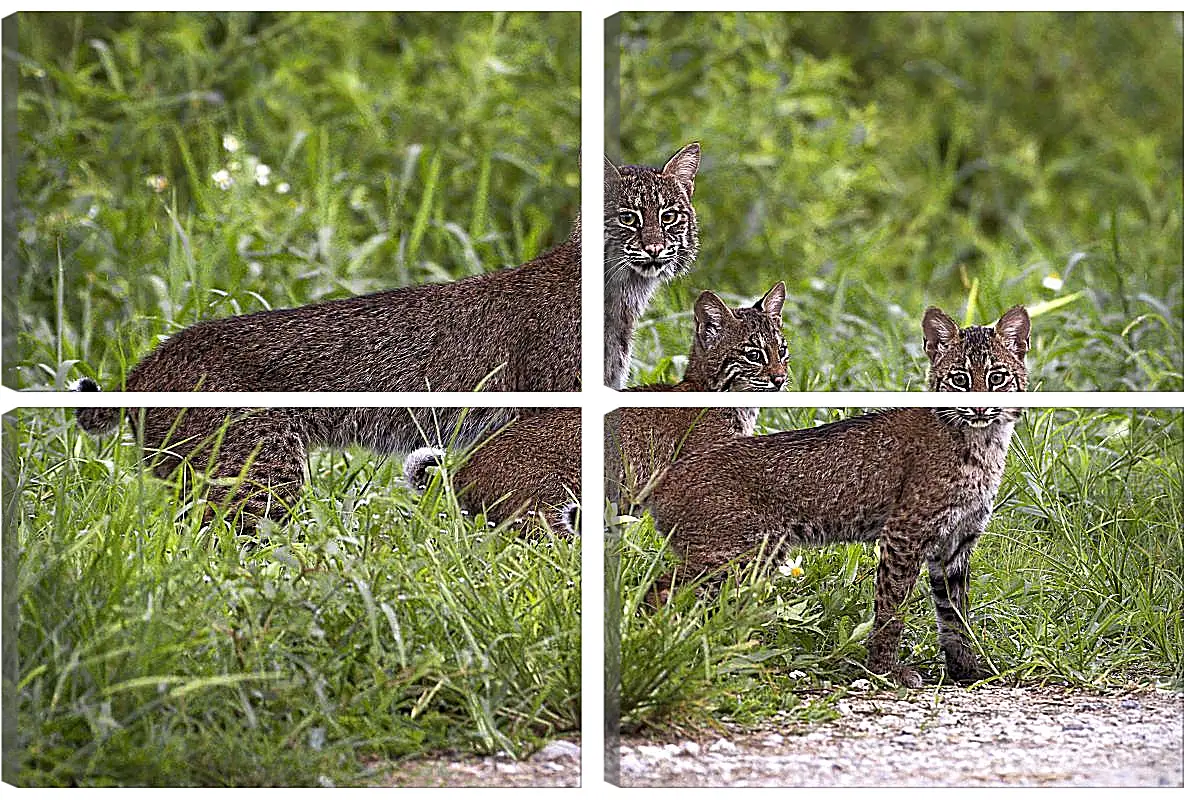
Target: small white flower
157, 183
230, 143
222, 179
283, 188
1052, 281
792, 569
262, 174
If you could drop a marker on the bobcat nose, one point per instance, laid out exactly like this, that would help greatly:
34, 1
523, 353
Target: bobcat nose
778, 379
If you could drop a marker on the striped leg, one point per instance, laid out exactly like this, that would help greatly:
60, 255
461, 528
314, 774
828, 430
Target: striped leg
949, 578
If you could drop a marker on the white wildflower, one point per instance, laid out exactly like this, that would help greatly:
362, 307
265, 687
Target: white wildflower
230, 143
792, 569
222, 179
283, 188
262, 174
1052, 281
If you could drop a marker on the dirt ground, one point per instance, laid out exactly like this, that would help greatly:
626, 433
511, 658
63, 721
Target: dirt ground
949, 737
1031, 736
556, 764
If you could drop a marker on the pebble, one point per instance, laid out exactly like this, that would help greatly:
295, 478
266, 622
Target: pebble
560, 748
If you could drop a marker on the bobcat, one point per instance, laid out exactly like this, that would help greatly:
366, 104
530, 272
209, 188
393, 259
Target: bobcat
733, 350
514, 329
920, 481
534, 464
650, 236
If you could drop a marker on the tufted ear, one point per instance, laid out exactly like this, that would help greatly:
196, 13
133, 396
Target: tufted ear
773, 300
683, 166
940, 332
711, 314
1013, 329
612, 176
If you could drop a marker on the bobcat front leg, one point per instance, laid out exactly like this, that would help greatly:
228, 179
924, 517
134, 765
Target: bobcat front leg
903, 541
949, 578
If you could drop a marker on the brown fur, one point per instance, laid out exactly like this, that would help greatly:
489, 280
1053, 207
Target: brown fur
920, 481
530, 467
639, 441
515, 329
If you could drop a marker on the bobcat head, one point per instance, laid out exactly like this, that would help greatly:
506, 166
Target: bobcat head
649, 223
981, 358
739, 350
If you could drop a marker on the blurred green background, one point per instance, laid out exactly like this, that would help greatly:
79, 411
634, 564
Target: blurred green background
883, 162
365, 151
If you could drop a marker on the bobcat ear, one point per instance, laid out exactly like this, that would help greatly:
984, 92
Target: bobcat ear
1013, 329
612, 175
683, 166
710, 315
940, 332
773, 300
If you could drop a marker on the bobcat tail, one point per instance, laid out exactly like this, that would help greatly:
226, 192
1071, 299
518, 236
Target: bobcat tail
94, 421
417, 464
570, 517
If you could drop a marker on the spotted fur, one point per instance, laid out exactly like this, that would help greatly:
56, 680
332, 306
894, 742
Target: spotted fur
921, 482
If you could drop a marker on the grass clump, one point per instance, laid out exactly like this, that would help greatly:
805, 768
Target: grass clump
880, 163
152, 649
177, 167
1078, 580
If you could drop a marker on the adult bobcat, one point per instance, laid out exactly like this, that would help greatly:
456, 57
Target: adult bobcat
514, 329
650, 236
920, 481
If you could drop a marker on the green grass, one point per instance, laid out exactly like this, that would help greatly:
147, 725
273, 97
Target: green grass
153, 650
881, 163
413, 148
1078, 580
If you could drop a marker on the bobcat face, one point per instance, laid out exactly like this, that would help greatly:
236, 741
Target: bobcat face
649, 223
977, 359
739, 350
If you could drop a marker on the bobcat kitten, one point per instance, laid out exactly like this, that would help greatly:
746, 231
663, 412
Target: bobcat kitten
650, 236
921, 481
739, 350
530, 467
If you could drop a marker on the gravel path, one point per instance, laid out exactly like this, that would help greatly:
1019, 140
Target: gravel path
948, 737
557, 764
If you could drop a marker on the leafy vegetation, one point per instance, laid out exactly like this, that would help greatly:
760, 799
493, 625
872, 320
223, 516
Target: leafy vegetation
1079, 580
181, 167
153, 649
879, 163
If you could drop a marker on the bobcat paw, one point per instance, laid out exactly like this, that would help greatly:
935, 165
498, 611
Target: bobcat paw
965, 676
907, 677
899, 674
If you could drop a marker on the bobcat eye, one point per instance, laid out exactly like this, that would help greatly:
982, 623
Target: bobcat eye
628, 218
997, 380
755, 355
960, 381
669, 216
782, 351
